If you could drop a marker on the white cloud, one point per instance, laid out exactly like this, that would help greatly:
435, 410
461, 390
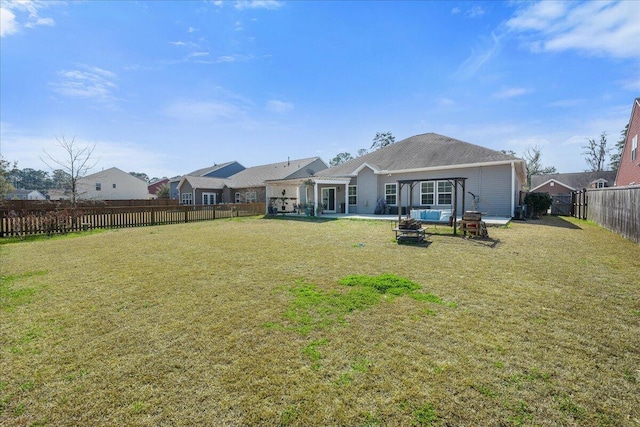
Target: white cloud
279, 107
13, 12
566, 103
632, 84
475, 12
446, 102
455, 11
480, 56
597, 28
86, 82
258, 4
511, 92
8, 23
234, 58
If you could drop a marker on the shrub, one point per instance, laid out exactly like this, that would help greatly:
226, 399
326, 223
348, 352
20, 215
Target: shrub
539, 202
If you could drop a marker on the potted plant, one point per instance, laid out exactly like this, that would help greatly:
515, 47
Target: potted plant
283, 201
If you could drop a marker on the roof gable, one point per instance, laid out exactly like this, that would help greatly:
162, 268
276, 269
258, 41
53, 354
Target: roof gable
211, 169
257, 175
573, 181
203, 182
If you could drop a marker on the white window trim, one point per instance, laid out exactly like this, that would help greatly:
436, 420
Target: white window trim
250, 197
349, 195
432, 193
634, 148
186, 199
210, 196
394, 194
438, 193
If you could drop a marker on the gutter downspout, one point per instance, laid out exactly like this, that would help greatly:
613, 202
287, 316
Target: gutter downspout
346, 199
315, 196
513, 188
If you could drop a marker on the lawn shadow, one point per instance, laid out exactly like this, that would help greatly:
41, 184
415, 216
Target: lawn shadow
301, 218
487, 242
422, 244
553, 221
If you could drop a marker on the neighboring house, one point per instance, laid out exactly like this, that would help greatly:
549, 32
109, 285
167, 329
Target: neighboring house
58, 194
566, 183
629, 170
224, 170
493, 180
250, 184
247, 185
154, 186
25, 195
198, 190
112, 184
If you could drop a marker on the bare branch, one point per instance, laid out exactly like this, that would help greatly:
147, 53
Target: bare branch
77, 162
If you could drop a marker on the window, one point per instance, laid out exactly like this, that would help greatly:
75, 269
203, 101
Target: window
427, 193
390, 193
445, 190
98, 186
353, 195
250, 197
114, 186
634, 148
238, 200
599, 184
208, 198
186, 199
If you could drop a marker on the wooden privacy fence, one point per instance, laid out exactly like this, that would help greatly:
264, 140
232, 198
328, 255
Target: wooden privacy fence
616, 208
38, 221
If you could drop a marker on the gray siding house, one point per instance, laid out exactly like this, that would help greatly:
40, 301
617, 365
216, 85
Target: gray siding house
223, 170
247, 185
493, 180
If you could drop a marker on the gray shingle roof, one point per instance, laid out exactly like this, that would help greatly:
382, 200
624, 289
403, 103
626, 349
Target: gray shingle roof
575, 180
205, 182
257, 175
429, 150
209, 169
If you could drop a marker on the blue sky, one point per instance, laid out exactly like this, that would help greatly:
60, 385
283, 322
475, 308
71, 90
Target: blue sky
165, 87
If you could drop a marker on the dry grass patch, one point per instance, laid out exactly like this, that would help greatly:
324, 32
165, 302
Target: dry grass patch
252, 322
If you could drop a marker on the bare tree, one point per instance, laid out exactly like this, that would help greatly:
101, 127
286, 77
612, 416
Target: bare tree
596, 153
5, 183
532, 158
76, 162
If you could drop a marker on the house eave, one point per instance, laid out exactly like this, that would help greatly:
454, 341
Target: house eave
554, 181
458, 166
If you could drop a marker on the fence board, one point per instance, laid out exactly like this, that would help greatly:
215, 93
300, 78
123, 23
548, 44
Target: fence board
50, 219
615, 208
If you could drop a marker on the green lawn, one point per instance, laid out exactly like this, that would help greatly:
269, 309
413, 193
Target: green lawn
296, 323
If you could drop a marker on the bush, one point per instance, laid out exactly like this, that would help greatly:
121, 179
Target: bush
539, 202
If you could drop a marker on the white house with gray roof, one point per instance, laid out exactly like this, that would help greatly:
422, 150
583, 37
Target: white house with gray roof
493, 180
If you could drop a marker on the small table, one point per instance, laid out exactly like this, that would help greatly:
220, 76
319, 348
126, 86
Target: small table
409, 235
